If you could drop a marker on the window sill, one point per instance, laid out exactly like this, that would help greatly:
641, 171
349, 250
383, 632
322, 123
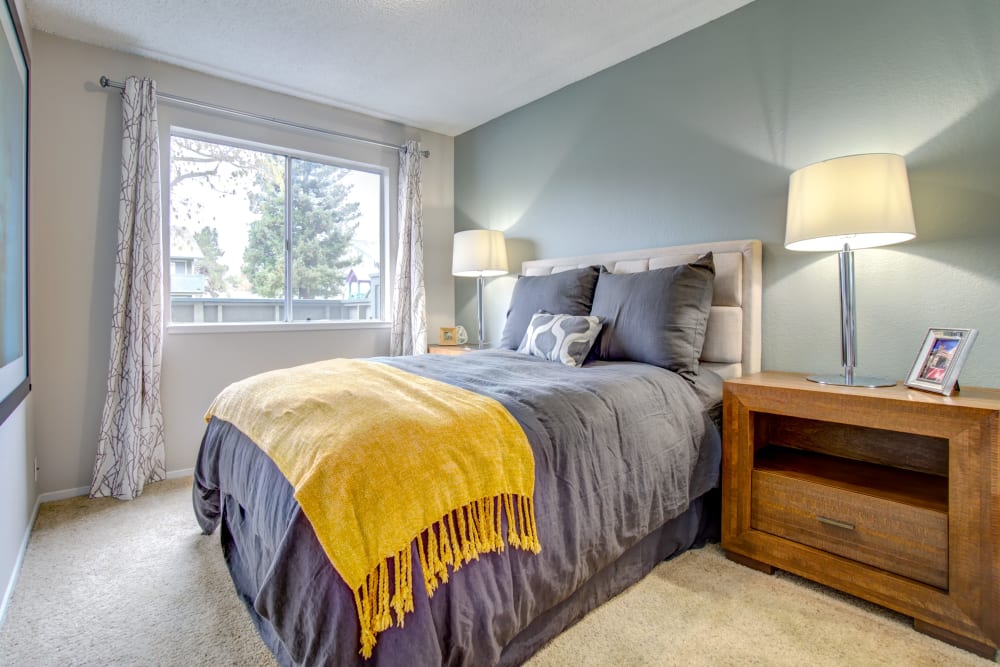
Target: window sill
275, 327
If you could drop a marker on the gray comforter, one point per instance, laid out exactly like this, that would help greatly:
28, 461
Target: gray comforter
619, 450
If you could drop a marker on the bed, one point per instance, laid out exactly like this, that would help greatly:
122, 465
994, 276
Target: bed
626, 462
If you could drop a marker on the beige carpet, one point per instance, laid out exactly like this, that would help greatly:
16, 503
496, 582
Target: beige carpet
106, 582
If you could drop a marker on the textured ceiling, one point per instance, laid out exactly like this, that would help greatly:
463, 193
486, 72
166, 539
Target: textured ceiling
442, 65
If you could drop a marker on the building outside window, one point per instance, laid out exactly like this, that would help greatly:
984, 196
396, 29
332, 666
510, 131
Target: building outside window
243, 250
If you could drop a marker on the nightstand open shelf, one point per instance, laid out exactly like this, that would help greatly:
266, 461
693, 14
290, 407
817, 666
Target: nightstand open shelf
889, 494
878, 481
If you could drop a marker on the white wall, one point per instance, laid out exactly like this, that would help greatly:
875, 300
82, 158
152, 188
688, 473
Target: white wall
75, 171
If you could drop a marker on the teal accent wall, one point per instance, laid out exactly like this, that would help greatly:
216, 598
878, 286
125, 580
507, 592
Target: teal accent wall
694, 141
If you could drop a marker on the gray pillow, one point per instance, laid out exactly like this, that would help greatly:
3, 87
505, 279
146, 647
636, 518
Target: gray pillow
567, 292
563, 338
657, 317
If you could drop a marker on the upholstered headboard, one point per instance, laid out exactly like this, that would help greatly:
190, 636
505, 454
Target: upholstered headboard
732, 341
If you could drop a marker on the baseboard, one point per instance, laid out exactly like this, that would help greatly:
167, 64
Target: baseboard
64, 494
84, 490
17, 564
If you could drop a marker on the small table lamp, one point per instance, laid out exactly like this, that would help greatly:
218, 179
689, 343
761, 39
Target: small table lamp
858, 201
479, 253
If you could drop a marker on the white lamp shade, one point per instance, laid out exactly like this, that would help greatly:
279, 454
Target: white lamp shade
479, 252
860, 200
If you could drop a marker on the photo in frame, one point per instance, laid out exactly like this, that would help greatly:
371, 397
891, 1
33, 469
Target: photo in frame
448, 336
14, 68
940, 360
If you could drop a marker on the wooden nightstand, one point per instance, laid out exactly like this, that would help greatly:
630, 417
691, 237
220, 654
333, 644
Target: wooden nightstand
892, 495
449, 349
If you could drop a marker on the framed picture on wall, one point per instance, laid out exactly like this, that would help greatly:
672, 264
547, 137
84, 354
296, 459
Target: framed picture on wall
14, 64
940, 360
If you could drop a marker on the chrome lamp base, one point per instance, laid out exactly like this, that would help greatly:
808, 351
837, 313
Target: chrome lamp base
848, 333
851, 381
479, 311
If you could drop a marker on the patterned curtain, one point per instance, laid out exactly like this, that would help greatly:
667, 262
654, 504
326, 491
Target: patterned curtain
409, 320
130, 449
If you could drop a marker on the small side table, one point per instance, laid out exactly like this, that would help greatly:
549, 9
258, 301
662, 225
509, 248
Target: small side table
888, 494
453, 350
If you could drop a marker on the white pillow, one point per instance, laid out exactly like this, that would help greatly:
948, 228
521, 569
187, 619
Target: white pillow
565, 338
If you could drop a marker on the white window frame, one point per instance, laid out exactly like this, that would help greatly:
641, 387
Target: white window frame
288, 153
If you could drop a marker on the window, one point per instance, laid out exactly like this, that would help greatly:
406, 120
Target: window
242, 250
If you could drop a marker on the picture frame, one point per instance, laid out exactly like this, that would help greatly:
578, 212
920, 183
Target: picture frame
940, 360
448, 336
14, 81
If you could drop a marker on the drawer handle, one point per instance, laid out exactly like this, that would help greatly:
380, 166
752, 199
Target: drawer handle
834, 522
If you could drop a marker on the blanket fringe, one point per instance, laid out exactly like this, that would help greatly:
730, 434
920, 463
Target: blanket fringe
459, 537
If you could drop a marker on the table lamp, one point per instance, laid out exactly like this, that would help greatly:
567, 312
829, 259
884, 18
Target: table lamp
858, 201
480, 254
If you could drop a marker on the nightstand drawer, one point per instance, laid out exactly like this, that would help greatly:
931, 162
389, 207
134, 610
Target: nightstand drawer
900, 538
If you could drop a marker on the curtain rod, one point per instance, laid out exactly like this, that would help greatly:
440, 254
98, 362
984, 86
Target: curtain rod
108, 83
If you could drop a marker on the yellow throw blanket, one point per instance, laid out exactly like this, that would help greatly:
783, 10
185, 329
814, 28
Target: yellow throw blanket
379, 459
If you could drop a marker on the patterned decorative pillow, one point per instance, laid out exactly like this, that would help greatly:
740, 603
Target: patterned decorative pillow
565, 338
